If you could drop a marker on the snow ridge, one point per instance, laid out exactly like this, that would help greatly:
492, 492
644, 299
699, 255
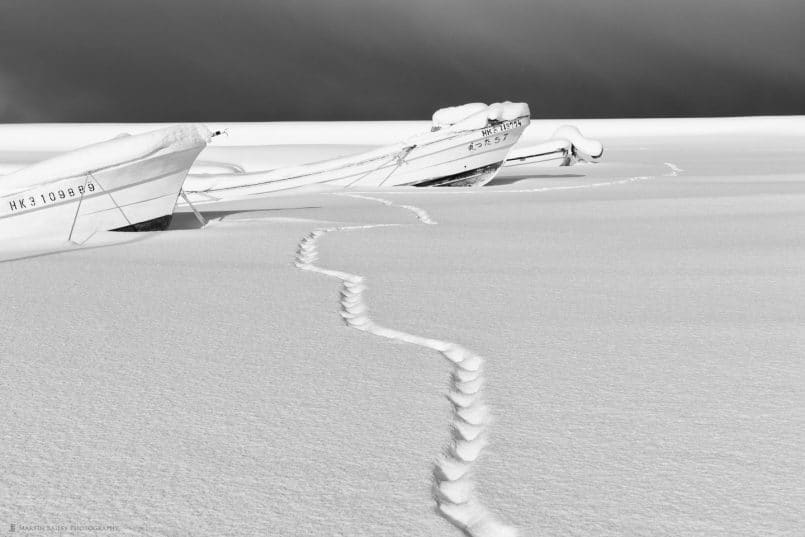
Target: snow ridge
453, 486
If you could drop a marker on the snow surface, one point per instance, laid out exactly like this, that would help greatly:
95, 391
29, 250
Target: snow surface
639, 322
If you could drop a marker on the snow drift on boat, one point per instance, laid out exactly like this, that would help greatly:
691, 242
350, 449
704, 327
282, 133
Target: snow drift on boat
566, 147
466, 146
127, 183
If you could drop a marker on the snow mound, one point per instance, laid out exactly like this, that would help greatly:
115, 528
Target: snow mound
567, 146
477, 115
586, 148
119, 150
453, 114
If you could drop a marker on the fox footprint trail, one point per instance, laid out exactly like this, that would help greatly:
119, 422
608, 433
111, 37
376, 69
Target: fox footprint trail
453, 486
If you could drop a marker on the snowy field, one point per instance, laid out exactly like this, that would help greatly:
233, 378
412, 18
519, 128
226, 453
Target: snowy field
640, 323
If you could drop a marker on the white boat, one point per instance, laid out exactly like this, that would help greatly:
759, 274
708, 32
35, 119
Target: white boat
566, 147
467, 145
129, 183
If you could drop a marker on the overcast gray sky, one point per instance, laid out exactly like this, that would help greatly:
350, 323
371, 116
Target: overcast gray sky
240, 60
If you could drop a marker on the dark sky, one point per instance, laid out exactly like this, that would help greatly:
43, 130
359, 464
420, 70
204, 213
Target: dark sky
231, 60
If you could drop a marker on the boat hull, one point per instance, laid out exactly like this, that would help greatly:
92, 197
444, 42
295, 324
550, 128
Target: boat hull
476, 155
121, 197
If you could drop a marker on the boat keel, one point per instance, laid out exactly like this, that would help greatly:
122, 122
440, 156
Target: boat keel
160, 223
476, 177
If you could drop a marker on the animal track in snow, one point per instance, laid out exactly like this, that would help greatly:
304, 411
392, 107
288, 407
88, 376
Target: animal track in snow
421, 214
453, 486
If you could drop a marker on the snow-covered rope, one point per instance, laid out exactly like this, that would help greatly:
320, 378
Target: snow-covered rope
454, 488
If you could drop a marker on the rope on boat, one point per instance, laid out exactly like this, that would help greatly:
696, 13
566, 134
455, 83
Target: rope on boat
119, 208
199, 216
75, 217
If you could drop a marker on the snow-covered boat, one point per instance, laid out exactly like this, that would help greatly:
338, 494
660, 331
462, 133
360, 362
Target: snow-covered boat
127, 183
566, 147
467, 145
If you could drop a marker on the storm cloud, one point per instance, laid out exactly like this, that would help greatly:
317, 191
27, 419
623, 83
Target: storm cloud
201, 60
